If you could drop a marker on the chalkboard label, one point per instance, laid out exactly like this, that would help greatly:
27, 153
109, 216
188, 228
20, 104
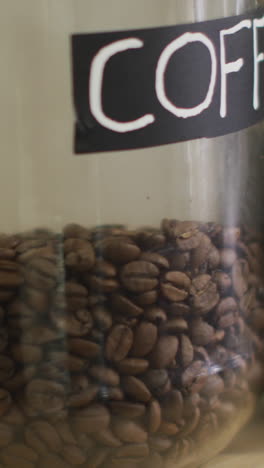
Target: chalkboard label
147, 87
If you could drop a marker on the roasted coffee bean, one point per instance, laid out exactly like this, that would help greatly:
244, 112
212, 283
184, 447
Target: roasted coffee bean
156, 380
176, 286
186, 351
36, 300
102, 318
168, 428
160, 443
172, 406
104, 375
83, 397
118, 250
85, 348
118, 343
129, 431
146, 298
22, 377
132, 366
201, 332
26, 354
139, 276
125, 306
240, 271
164, 352
42, 437
204, 294
223, 282
145, 336
97, 457
93, 419
214, 385
136, 389
18, 454
157, 259
155, 315
45, 397
132, 450
73, 455
107, 438
79, 254
176, 325
127, 409
53, 460
154, 416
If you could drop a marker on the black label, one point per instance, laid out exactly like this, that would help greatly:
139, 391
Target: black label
149, 87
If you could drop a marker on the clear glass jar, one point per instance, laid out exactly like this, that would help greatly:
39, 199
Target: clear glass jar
130, 282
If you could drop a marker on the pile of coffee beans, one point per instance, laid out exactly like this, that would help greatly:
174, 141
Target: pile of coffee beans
119, 346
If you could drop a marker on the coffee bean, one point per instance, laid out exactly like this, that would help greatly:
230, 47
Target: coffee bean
14, 382
177, 325
73, 455
226, 305
125, 306
118, 250
146, 298
118, 343
240, 271
154, 416
195, 373
153, 461
172, 406
76, 295
204, 295
83, 397
85, 348
35, 299
168, 428
223, 282
186, 352
178, 309
97, 458
129, 431
201, 332
139, 276
132, 366
128, 409
132, 450
107, 438
102, 318
42, 437
64, 431
155, 315
53, 460
79, 254
199, 255
156, 380
45, 396
19, 455
160, 443
104, 375
13, 416
156, 259
91, 420
164, 351
40, 335
136, 389
145, 337
26, 354
176, 287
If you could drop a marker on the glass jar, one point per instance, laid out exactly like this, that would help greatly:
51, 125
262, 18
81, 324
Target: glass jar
130, 281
